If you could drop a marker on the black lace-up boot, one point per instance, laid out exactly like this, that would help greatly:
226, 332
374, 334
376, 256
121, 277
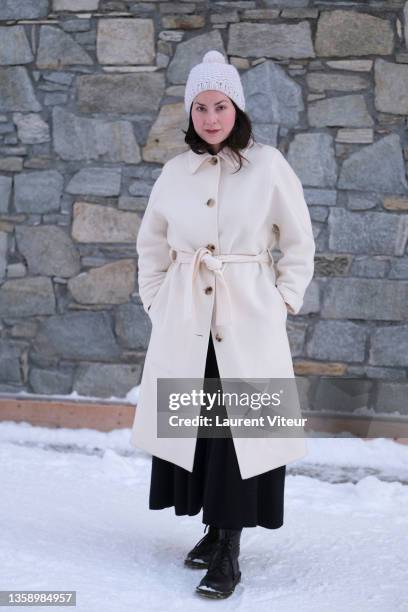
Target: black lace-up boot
223, 572
200, 555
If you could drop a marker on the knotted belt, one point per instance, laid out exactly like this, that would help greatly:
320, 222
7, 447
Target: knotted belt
216, 263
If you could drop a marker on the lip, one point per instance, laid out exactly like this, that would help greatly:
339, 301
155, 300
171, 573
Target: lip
212, 131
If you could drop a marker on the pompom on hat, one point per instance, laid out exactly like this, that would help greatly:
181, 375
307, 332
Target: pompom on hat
214, 73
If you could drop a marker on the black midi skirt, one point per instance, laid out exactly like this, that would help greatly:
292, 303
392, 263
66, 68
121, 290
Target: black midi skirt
215, 484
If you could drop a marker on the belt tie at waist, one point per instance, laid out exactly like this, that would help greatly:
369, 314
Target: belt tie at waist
216, 263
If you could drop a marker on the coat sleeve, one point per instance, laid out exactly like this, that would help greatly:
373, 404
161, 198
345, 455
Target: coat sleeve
295, 267
152, 247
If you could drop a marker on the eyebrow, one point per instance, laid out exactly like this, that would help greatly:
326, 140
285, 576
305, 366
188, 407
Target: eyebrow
202, 104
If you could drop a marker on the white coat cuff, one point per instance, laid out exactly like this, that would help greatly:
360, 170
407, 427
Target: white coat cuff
291, 298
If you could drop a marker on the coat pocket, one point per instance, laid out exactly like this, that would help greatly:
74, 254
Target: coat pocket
282, 301
155, 303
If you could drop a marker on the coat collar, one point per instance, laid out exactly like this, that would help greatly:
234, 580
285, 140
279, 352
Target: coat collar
196, 159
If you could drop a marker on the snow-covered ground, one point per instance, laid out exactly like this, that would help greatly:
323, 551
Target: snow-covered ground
74, 515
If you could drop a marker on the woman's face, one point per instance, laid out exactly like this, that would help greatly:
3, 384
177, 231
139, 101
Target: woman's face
212, 110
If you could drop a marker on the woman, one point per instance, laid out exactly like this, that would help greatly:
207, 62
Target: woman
208, 281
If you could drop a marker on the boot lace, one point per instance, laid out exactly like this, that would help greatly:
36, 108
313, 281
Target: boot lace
208, 538
222, 558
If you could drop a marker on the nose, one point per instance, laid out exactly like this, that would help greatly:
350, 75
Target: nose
211, 120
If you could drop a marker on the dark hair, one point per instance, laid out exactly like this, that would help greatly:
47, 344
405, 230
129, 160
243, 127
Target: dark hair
238, 138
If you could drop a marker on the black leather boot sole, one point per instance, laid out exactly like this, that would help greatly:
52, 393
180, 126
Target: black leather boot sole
214, 594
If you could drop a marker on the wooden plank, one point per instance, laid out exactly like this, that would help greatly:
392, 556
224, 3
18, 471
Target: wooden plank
102, 416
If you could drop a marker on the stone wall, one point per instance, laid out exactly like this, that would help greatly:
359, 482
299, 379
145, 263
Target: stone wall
91, 106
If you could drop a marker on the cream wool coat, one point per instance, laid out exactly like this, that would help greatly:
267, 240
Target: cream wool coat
198, 212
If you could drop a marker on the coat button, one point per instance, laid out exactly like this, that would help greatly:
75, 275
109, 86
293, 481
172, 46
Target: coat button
210, 202
208, 290
214, 160
218, 337
211, 247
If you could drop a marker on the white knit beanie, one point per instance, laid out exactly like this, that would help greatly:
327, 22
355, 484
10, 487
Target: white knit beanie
214, 73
